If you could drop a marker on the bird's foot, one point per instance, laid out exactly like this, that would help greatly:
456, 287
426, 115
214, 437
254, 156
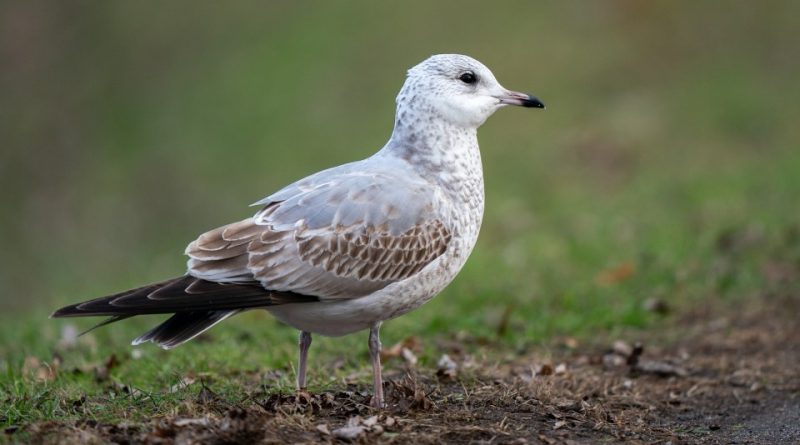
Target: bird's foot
302, 396
377, 403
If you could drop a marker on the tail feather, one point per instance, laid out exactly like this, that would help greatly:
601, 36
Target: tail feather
197, 305
109, 320
182, 327
182, 294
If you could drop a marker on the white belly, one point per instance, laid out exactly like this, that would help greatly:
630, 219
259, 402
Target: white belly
336, 317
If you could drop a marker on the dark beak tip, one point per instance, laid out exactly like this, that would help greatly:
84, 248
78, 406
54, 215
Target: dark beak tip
533, 102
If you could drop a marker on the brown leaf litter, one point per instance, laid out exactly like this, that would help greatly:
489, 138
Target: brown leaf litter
715, 375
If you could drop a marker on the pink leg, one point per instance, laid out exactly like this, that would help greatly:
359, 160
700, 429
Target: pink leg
305, 343
375, 355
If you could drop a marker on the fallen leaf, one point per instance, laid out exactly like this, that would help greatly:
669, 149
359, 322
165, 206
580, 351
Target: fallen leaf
370, 421
41, 372
348, 432
569, 342
612, 361
30, 364
421, 400
408, 356
191, 421
411, 343
46, 373
565, 404
661, 369
616, 274
183, 383
446, 367
622, 348
547, 440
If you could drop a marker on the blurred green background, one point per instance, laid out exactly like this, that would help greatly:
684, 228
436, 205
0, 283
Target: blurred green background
666, 164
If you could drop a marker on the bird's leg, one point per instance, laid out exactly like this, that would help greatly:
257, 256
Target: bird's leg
375, 355
305, 343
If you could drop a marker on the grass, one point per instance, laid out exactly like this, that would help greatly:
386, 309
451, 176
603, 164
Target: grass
556, 288
645, 178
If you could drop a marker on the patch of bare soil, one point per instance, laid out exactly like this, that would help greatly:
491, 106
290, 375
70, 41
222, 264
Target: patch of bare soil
716, 375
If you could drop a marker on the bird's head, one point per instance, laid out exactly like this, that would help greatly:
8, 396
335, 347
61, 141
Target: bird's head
458, 89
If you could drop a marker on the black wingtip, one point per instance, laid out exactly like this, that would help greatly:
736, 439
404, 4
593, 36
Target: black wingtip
66, 311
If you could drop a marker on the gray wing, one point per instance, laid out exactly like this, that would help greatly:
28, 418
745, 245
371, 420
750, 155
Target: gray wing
341, 233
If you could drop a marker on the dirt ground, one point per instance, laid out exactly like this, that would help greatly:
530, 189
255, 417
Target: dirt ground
712, 376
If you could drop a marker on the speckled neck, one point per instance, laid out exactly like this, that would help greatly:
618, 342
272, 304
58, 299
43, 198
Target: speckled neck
429, 142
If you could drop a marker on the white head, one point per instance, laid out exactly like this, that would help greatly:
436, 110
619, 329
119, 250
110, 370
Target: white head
458, 89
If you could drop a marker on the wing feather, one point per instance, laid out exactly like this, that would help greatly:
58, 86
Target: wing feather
181, 294
337, 234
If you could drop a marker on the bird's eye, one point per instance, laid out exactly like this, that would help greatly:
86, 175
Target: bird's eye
469, 77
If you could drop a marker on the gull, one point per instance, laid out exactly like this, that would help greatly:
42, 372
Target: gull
347, 248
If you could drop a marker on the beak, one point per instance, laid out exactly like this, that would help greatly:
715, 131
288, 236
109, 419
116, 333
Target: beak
520, 99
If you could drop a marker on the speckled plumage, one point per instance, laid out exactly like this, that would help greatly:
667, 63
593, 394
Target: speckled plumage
349, 247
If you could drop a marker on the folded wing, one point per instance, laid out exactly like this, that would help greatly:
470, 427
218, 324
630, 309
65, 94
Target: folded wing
336, 234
